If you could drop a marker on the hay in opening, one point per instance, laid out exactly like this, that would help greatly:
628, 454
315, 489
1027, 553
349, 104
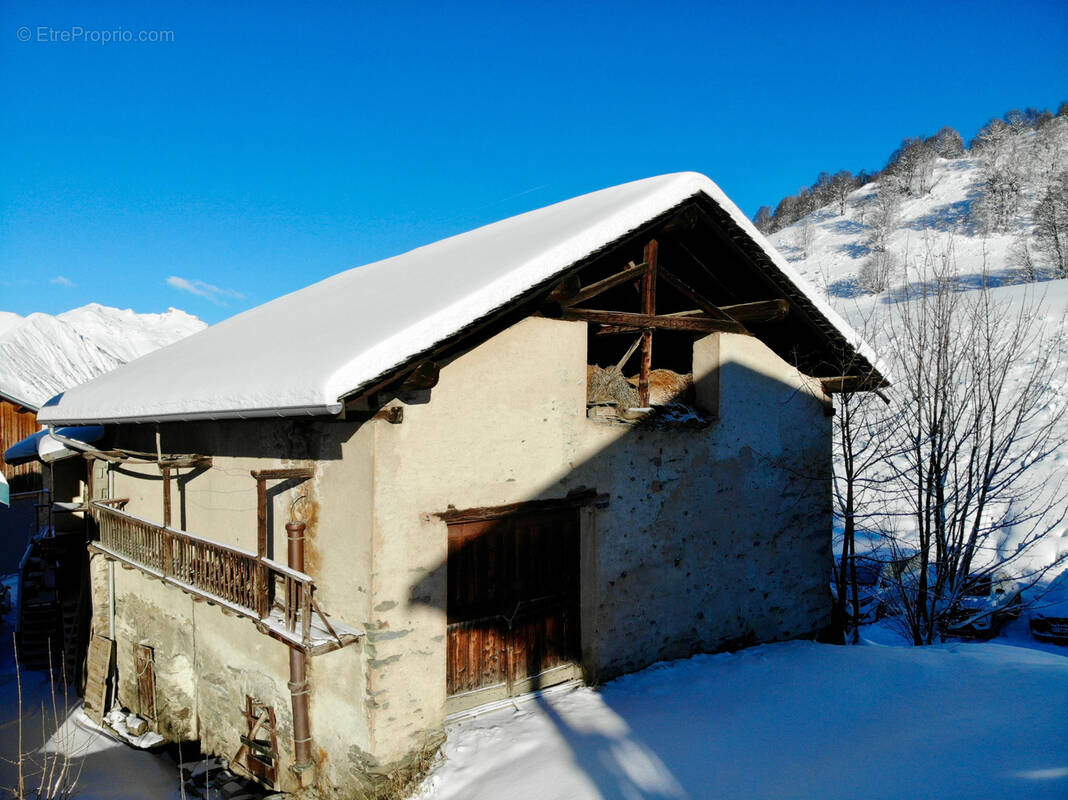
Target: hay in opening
607, 386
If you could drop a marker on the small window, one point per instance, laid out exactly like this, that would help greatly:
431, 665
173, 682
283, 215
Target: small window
260, 744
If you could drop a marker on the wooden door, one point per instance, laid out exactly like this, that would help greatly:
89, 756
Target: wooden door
513, 599
144, 663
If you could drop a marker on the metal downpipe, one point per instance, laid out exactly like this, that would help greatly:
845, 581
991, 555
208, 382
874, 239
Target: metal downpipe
298, 665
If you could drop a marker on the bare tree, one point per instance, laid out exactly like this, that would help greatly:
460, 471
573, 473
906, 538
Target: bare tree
912, 166
1051, 224
763, 220
975, 408
858, 482
841, 184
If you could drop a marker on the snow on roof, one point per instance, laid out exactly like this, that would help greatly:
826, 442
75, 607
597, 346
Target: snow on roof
12, 397
301, 353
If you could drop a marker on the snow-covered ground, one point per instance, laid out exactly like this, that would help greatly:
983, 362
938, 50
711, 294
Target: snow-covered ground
42, 355
792, 720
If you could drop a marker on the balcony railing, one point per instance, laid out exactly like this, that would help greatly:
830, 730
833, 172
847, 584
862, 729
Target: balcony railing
279, 599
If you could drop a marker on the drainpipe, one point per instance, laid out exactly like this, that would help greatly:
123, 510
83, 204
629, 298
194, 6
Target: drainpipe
111, 568
298, 665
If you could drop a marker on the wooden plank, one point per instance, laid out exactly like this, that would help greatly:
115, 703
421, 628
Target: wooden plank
661, 322
649, 309
145, 666
101, 655
760, 311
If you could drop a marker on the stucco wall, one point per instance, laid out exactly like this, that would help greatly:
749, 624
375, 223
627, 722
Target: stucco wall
711, 536
717, 536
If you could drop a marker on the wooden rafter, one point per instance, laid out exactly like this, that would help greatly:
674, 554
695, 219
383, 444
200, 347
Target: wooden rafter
631, 273
761, 311
851, 383
702, 302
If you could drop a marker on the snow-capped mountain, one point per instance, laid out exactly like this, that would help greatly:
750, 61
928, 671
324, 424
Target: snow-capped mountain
42, 355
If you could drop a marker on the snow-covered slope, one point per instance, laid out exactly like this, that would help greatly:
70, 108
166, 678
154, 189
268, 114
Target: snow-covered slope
955, 218
42, 355
949, 230
8, 320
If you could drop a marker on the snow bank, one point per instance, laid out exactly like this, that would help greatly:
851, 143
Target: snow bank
785, 720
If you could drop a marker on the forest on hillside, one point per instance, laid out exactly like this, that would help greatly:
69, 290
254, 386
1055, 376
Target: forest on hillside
1022, 189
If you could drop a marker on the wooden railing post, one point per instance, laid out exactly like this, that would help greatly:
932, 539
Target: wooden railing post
168, 554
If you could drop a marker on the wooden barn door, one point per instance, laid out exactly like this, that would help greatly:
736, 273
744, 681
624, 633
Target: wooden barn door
513, 600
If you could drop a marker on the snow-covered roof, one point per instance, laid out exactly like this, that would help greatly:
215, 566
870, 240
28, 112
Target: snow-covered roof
303, 352
12, 397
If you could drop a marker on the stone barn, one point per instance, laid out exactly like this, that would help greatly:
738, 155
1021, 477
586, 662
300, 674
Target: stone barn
557, 448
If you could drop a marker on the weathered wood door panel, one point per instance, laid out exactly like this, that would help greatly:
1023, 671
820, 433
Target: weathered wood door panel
512, 598
144, 663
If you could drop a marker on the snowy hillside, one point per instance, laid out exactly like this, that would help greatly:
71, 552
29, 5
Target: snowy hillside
977, 210
42, 355
870, 259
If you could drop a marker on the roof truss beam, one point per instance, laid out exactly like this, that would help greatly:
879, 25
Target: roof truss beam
663, 322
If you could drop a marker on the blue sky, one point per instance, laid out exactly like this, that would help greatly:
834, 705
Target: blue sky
268, 146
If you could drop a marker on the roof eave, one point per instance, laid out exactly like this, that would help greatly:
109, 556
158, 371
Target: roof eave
330, 410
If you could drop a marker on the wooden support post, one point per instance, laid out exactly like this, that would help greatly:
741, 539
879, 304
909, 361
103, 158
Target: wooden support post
648, 308
166, 471
261, 516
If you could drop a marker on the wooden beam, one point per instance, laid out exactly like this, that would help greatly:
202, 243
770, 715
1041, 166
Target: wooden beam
283, 474
424, 376
702, 302
632, 322
262, 476
631, 273
761, 311
840, 384
261, 516
649, 309
576, 499
394, 415
565, 289
166, 496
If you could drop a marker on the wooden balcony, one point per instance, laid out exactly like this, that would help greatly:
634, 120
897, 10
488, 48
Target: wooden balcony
281, 601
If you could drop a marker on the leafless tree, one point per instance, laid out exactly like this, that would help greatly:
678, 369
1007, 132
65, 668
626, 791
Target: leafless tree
976, 407
858, 482
1051, 224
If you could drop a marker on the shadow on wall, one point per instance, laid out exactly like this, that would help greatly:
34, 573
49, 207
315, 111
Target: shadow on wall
702, 546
